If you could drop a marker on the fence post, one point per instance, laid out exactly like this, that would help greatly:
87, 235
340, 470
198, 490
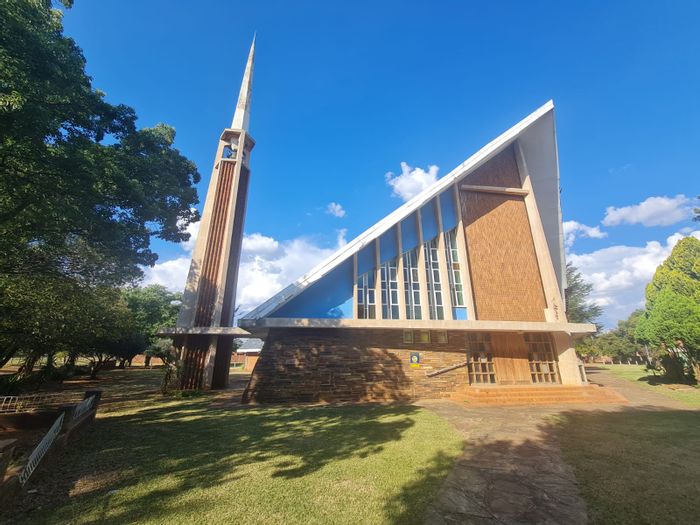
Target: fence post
96, 393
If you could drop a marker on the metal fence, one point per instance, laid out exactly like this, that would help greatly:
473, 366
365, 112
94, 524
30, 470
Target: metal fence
37, 401
83, 407
41, 449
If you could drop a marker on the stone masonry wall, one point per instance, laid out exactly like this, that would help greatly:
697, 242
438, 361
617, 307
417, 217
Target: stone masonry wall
339, 365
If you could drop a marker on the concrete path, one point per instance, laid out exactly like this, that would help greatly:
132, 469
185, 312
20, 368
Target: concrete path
512, 471
637, 395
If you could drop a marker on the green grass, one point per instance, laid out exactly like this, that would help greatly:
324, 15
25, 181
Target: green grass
689, 395
182, 460
634, 466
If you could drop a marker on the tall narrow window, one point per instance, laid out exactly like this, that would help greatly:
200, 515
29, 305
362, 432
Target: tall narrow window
432, 271
410, 284
366, 304
455, 275
390, 290
480, 365
542, 359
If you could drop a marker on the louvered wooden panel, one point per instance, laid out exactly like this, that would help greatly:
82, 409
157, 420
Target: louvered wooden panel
241, 203
212, 255
506, 280
510, 358
502, 170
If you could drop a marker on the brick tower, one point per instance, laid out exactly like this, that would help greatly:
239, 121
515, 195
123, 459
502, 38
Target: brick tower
209, 299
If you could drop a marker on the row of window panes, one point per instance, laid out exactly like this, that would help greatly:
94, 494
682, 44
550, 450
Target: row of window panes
424, 336
480, 368
390, 290
453, 268
411, 284
432, 272
541, 357
366, 301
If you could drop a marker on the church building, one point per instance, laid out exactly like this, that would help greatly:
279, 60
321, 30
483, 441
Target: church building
459, 291
461, 286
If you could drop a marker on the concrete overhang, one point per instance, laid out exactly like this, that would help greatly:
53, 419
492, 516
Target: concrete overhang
577, 330
205, 330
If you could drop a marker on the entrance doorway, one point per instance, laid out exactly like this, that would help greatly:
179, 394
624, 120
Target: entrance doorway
511, 359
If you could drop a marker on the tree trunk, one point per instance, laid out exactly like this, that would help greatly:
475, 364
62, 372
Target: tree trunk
27, 366
72, 357
6, 355
94, 368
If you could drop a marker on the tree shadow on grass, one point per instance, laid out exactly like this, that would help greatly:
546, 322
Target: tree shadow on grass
630, 466
193, 446
634, 465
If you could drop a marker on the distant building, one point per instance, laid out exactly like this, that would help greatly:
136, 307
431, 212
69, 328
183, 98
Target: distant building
248, 352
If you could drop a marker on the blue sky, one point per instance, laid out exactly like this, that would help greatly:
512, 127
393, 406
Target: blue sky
344, 93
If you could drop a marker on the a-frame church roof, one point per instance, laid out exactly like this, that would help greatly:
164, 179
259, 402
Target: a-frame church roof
536, 136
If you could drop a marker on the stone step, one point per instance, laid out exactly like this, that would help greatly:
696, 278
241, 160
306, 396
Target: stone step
536, 395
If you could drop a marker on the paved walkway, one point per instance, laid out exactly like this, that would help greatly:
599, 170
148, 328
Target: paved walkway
512, 471
637, 395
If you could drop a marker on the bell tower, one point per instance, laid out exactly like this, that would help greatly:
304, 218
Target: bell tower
209, 299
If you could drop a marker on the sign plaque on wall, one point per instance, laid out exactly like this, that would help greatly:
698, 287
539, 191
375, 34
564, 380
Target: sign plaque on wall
414, 360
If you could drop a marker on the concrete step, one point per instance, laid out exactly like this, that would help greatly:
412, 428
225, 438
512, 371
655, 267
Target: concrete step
536, 395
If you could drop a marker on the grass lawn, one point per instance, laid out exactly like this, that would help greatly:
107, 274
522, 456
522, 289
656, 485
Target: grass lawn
195, 460
634, 466
687, 394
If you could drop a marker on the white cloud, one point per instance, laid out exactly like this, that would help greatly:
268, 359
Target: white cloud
171, 273
654, 211
619, 274
267, 265
259, 244
262, 274
193, 230
411, 181
335, 209
574, 230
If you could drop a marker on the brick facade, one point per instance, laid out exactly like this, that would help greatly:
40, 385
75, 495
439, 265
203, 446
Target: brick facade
338, 365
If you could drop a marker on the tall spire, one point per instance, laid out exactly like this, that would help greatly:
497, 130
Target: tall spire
241, 118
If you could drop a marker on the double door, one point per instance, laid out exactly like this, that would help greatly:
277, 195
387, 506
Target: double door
507, 359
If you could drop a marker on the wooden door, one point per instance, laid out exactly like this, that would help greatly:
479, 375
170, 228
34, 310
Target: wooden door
511, 359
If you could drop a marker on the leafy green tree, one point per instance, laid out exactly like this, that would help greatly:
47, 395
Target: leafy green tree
672, 321
578, 307
620, 342
680, 272
82, 191
153, 307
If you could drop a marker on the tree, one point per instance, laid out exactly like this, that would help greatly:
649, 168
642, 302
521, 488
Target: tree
672, 320
620, 342
82, 190
153, 307
579, 309
680, 272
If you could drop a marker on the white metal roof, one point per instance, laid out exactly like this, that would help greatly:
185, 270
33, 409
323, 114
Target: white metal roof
550, 210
